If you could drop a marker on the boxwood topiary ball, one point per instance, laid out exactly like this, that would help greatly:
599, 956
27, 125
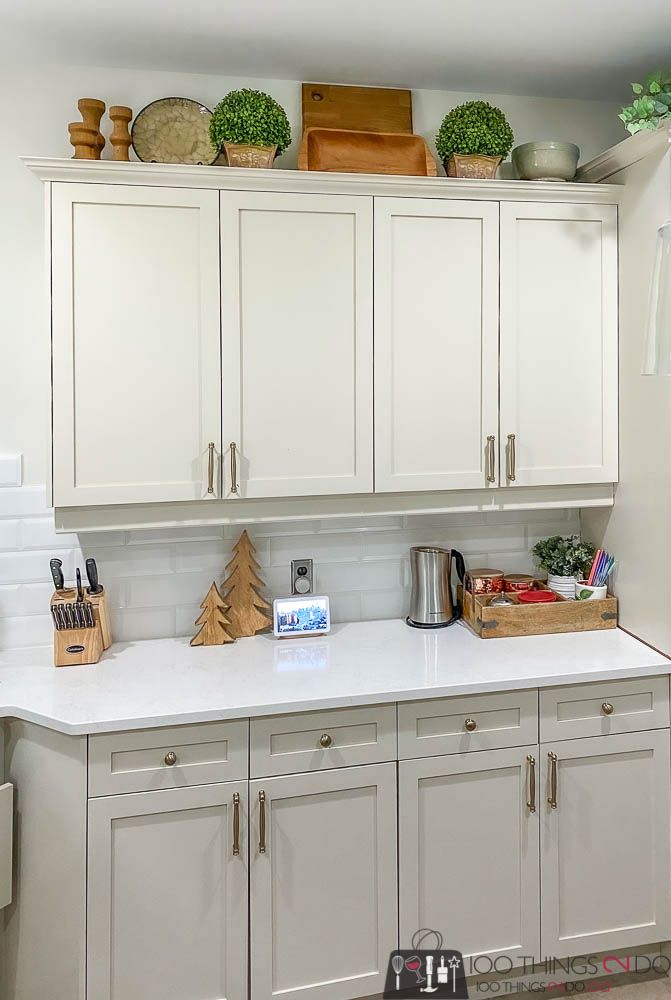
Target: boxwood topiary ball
250, 117
474, 127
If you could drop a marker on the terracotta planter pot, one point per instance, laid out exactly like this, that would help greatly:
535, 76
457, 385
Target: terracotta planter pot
239, 155
472, 165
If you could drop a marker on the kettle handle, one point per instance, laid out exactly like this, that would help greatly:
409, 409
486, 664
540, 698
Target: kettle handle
459, 563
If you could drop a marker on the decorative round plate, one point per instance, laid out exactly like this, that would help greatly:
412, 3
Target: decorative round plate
173, 130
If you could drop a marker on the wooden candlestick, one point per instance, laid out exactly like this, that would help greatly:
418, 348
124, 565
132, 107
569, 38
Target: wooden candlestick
84, 139
120, 137
92, 110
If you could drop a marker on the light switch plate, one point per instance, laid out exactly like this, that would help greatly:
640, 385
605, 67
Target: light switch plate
10, 470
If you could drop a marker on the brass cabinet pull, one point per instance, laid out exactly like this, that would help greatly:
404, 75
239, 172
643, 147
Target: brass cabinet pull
490, 459
470, 725
262, 822
325, 740
511, 459
531, 804
607, 708
236, 822
552, 801
170, 758
234, 467
210, 467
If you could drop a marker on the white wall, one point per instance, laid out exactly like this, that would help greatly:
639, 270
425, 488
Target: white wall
637, 530
36, 104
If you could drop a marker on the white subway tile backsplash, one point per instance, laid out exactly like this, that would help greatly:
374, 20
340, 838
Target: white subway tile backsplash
156, 579
10, 532
24, 567
23, 501
39, 533
28, 630
143, 623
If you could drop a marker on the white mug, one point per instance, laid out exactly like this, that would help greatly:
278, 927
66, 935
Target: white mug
583, 591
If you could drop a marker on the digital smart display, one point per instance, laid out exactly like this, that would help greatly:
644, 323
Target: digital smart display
301, 616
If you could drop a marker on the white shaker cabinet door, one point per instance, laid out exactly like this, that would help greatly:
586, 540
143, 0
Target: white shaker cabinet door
468, 851
559, 344
297, 334
136, 343
605, 847
436, 344
167, 895
323, 889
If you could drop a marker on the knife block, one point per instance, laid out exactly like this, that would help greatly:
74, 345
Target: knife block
77, 646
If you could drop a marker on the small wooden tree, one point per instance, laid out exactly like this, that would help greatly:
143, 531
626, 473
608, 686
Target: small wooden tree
213, 621
249, 612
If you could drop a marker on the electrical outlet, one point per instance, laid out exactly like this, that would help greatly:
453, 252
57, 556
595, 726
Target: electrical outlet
301, 576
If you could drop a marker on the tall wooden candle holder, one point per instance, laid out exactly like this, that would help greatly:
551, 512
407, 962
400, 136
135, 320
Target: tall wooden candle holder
120, 137
92, 111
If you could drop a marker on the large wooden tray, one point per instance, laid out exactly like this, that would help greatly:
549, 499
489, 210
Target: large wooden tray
536, 619
350, 152
364, 109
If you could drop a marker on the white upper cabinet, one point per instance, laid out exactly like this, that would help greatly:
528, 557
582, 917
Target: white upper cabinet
297, 344
436, 344
136, 343
559, 409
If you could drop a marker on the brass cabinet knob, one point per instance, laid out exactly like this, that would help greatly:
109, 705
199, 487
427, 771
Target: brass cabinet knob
170, 758
607, 708
325, 740
470, 725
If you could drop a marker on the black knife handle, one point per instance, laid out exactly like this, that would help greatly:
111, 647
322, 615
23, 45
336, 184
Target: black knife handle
57, 573
92, 574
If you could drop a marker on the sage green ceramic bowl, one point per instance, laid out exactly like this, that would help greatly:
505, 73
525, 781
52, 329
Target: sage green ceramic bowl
546, 161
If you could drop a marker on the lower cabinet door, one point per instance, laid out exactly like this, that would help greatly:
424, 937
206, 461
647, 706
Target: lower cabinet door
468, 848
167, 895
323, 883
605, 845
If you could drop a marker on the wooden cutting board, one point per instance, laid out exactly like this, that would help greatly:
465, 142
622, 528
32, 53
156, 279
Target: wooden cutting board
363, 109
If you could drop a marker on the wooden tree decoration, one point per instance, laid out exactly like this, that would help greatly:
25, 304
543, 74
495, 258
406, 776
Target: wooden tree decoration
249, 612
213, 621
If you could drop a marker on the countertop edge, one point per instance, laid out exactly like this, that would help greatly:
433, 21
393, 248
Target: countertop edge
331, 702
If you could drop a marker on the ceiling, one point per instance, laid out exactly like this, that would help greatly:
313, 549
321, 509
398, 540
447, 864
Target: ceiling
555, 48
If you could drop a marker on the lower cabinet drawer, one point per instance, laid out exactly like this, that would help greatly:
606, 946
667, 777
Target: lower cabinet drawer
315, 741
603, 709
458, 725
150, 759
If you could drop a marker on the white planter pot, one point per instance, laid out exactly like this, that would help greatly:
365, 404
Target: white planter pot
563, 585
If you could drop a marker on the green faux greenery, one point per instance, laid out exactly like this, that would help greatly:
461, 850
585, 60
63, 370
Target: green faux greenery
564, 556
652, 103
250, 117
475, 127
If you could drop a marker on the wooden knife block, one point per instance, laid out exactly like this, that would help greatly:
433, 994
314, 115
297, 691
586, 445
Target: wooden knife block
76, 646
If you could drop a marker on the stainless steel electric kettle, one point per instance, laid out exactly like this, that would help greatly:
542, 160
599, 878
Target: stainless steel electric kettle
431, 601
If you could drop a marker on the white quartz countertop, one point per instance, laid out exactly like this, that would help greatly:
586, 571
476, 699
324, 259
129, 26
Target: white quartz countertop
166, 682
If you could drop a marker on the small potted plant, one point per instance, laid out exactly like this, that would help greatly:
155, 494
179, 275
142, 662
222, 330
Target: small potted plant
566, 559
251, 128
473, 139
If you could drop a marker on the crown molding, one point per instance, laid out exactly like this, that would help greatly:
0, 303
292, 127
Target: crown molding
49, 169
624, 154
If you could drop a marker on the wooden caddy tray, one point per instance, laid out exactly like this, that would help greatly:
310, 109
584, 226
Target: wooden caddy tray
535, 619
